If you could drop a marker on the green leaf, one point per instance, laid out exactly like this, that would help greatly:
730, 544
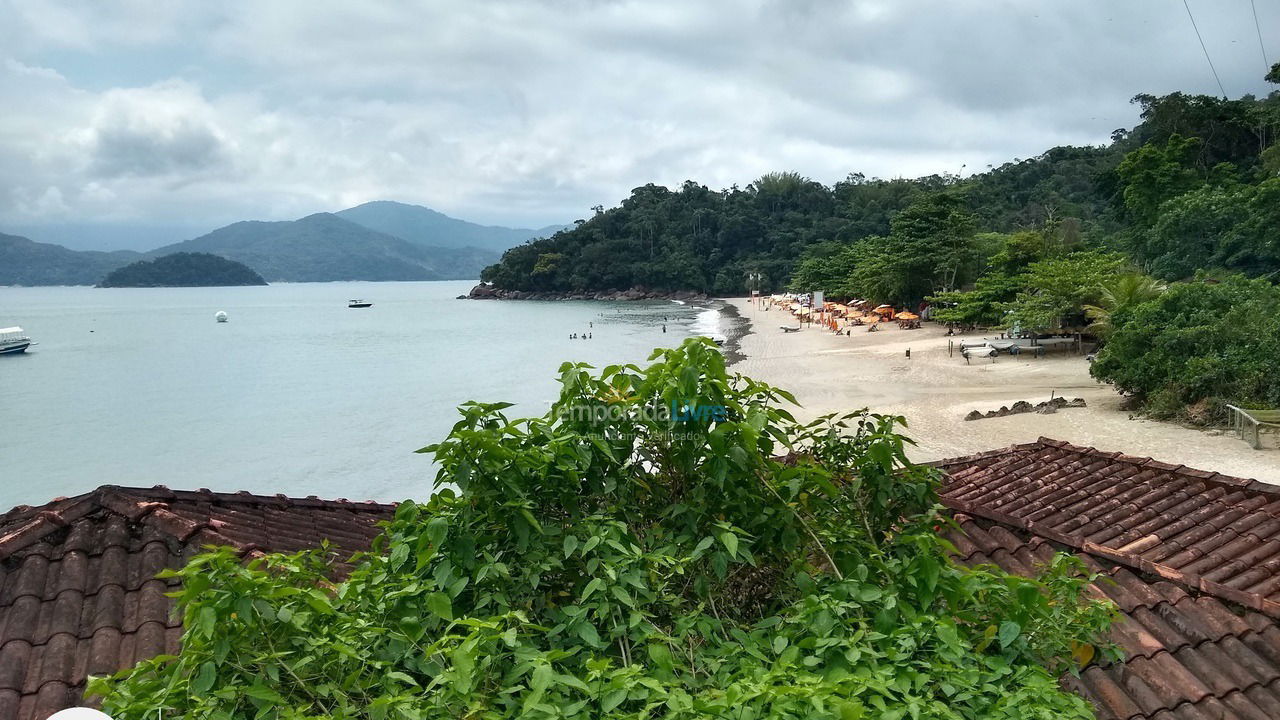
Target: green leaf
730, 543
594, 585
1009, 632
588, 633
206, 619
440, 605
613, 699
205, 677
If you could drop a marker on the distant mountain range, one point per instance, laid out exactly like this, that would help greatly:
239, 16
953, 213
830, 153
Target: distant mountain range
425, 226
324, 247
374, 241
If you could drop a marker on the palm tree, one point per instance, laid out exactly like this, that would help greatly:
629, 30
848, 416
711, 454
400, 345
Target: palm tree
1122, 293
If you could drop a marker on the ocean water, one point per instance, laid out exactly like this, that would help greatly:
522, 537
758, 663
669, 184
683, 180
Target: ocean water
296, 394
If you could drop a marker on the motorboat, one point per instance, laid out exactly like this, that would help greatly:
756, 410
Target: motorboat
358, 304
13, 341
220, 316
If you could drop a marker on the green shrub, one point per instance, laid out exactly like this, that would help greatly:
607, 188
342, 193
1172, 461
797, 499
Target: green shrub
666, 542
1198, 342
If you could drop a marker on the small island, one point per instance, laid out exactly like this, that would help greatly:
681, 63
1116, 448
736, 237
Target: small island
183, 270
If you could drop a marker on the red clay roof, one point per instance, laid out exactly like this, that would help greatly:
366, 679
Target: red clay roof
1194, 556
78, 592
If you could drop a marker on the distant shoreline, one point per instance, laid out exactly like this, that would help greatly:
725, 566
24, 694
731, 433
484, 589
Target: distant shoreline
736, 327
483, 291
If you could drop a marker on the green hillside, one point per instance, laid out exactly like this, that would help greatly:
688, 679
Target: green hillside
183, 270
424, 226
26, 262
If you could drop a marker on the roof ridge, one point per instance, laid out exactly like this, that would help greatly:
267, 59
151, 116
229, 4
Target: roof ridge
164, 493
1212, 477
1007, 450
1121, 555
46, 519
151, 505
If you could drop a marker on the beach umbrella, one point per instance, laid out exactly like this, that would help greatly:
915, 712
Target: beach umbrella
908, 316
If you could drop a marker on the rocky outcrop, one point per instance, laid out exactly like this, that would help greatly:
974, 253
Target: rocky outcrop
484, 291
1022, 406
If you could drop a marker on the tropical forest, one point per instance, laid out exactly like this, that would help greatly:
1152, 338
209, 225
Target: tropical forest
1163, 244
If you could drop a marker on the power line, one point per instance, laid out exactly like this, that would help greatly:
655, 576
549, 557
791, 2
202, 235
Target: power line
1258, 27
1205, 49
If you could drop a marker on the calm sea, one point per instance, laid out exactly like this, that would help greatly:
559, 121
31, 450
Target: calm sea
296, 394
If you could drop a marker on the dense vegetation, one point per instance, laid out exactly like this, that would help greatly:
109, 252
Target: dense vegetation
1067, 241
26, 262
666, 542
182, 270
1193, 186
1197, 345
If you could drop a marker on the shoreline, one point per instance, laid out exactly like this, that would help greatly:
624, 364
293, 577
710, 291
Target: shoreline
735, 327
488, 292
836, 373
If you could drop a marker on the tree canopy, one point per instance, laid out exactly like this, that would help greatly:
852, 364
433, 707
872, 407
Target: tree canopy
1196, 346
1193, 186
666, 542
183, 270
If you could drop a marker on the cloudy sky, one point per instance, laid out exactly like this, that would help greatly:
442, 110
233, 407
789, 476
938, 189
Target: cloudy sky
127, 122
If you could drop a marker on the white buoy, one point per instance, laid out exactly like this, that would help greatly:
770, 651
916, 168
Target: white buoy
220, 316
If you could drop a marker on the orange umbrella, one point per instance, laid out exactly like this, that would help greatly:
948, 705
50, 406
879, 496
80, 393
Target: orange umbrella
908, 316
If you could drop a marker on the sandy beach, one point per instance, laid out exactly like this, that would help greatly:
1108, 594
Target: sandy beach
830, 373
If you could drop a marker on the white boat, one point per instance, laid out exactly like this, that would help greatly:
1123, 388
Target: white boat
13, 341
359, 304
220, 316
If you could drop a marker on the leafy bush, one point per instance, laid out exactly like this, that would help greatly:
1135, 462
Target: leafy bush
665, 542
1198, 342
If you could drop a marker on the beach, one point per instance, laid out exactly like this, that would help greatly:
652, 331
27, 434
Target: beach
833, 373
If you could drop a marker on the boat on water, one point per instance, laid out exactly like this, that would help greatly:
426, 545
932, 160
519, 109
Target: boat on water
358, 304
13, 341
220, 316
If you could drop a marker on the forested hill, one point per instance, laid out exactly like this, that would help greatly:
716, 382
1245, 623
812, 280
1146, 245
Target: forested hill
26, 262
1193, 186
183, 270
324, 247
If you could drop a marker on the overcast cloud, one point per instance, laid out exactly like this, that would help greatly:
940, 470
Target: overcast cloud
196, 114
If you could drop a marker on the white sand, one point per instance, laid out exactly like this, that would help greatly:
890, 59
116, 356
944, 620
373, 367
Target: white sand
829, 373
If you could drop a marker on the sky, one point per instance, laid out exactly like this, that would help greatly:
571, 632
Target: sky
137, 123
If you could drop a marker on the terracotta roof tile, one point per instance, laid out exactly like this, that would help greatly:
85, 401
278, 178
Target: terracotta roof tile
1185, 554
78, 587
1191, 557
